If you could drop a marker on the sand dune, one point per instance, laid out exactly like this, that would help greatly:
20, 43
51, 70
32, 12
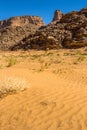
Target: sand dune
56, 100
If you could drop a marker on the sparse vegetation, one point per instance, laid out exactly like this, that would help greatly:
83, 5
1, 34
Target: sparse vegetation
35, 56
78, 52
44, 66
81, 58
12, 85
43, 60
11, 61
57, 71
1, 66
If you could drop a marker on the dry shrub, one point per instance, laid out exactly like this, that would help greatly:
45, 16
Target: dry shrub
11, 61
12, 85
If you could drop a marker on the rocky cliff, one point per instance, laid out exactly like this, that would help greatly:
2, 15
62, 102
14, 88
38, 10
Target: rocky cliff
21, 21
69, 31
65, 31
15, 29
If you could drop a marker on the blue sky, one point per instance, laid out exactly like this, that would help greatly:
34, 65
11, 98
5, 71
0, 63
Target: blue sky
43, 8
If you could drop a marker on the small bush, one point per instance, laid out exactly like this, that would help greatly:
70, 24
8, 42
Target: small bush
11, 61
12, 84
1, 66
81, 58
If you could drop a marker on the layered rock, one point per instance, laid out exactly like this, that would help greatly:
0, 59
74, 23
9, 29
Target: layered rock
66, 31
84, 11
14, 30
21, 21
39, 42
69, 32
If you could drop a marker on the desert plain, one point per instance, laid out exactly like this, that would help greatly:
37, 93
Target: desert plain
55, 96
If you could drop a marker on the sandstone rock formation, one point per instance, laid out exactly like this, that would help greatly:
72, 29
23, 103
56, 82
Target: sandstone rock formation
66, 31
21, 21
39, 42
15, 29
57, 15
84, 11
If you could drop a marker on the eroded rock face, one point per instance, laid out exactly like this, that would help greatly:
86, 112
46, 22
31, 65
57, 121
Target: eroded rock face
70, 31
22, 21
84, 11
66, 31
57, 15
39, 42
14, 30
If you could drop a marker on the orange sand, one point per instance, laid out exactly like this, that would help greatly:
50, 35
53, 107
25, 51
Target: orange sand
56, 99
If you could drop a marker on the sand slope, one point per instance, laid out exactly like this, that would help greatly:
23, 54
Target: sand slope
53, 102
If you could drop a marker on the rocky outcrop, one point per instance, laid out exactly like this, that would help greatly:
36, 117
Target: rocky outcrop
57, 15
21, 21
39, 42
84, 11
14, 30
76, 23
69, 32
66, 31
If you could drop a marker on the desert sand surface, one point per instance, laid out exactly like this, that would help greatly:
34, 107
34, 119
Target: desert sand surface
57, 95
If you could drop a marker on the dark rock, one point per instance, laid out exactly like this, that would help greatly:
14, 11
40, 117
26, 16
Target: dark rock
41, 42
83, 11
